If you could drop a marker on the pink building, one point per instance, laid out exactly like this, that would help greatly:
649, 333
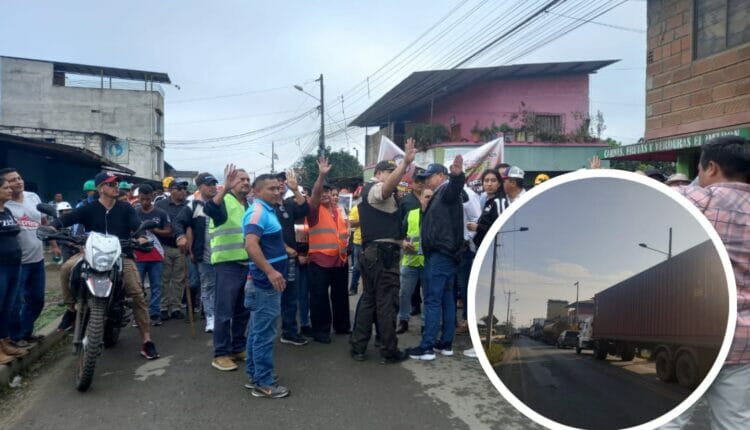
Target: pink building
542, 111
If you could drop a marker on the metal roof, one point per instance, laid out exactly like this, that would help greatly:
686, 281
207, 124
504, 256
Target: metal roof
419, 88
63, 152
109, 72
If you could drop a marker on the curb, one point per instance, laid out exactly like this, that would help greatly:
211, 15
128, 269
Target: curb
51, 338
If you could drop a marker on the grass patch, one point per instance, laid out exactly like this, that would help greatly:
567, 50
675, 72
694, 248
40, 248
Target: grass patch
495, 353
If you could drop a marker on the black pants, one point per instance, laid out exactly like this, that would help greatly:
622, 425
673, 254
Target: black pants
379, 302
321, 306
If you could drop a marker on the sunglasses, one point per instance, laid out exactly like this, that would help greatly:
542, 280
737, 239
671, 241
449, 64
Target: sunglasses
178, 188
112, 184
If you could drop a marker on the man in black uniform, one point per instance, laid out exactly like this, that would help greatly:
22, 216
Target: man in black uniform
380, 220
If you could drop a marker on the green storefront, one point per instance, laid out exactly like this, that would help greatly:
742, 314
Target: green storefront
683, 150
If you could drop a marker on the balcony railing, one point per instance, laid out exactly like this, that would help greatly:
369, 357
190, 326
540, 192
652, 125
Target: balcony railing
114, 84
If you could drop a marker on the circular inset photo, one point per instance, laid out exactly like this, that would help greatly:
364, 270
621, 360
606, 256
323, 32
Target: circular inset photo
602, 300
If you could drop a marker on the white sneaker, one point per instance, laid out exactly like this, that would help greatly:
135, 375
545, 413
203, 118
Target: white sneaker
209, 325
445, 352
470, 353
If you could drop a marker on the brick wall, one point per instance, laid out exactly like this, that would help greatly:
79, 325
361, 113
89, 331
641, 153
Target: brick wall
685, 96
92, 142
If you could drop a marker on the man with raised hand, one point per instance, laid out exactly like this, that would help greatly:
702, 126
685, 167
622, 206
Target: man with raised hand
382, 233
264, 243
229, 258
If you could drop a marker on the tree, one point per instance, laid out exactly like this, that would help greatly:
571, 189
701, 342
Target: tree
666, 167
598, 125
344, 165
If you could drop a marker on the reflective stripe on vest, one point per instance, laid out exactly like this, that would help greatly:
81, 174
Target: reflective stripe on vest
412, 234
227, 240
329, 236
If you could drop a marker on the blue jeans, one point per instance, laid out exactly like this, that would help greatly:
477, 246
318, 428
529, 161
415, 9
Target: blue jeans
230, 317
264, 305
356, 251
464, 269
153, 270
29, 300
9, 274
409, 278
289, 306
439, 300
303, 296
208, 288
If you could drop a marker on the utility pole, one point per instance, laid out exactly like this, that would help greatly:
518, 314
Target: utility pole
577, 304
322, 140
507, 317
669, 252
492, 294
273, 156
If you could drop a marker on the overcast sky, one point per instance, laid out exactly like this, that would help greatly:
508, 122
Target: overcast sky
237, 61
579, 233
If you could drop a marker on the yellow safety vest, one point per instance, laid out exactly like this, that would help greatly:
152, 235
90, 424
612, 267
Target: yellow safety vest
412, 234
228, 240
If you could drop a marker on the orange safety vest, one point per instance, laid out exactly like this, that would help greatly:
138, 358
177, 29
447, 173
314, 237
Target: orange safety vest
329, 236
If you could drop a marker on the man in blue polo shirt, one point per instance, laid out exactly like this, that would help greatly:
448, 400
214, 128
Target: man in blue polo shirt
264, 242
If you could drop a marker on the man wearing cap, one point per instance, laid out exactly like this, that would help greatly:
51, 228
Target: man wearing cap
442, 237
512, 185
328, 261
193, 239
174, 274
230, 260
287, 210
109, 216
382, 232
678, 180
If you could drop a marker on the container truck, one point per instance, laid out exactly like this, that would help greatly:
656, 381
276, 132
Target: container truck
677, 310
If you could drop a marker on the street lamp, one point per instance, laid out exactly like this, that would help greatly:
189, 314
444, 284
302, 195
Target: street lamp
274, 156
668, 253
490, 311
321, 139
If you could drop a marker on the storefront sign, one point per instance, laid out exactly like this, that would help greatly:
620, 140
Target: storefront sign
672, 143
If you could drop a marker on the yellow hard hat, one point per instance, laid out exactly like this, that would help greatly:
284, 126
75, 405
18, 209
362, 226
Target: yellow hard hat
541, 178
165, 183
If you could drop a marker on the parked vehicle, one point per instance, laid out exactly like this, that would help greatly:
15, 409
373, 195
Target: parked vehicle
677, 310
584, 335
553, 329
97, 285
568, 338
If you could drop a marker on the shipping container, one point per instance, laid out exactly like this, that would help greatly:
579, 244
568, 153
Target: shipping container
677, 310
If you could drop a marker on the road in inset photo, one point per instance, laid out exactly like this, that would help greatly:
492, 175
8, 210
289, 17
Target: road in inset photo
610, 303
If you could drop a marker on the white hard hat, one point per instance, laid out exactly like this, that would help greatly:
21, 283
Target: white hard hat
63, 206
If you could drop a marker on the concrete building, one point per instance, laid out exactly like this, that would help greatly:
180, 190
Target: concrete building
557, 309
541, 110
115, 113
697, 79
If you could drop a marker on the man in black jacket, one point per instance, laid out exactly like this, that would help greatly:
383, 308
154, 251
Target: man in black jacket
191, 229
442, 236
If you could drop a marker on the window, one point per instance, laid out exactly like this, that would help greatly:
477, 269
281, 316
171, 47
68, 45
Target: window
158, 123
548, 124
720, 24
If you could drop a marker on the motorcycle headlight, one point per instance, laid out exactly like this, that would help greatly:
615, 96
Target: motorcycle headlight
104, 261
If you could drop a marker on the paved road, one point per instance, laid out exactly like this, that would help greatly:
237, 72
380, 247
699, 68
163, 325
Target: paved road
329, 390
580, 391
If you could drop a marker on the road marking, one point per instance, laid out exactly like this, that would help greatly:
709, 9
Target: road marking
152, 368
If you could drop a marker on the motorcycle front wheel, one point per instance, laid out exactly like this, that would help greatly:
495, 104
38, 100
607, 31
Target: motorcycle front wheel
91, 346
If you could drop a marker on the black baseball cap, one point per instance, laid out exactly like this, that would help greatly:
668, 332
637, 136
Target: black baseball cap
205, 178
178, 184
105, 178
385, 165
281, 176
432, 169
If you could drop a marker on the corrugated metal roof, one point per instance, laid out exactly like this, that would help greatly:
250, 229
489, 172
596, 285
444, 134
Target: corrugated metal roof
419, 88
65, 152
109, 72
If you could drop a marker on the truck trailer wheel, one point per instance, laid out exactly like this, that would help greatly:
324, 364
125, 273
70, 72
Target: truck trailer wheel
578, 349
664, 367
600, 352
686, 370
627, 353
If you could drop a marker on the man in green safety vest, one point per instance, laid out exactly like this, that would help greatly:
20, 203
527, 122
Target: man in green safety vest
412, 262
230, 261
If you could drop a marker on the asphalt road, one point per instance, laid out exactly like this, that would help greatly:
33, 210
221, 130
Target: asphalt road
329, 390
579, 391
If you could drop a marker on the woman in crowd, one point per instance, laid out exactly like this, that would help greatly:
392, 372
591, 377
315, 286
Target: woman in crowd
491, 184
10, 267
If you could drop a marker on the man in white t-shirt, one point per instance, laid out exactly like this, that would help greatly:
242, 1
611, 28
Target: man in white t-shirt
29, 302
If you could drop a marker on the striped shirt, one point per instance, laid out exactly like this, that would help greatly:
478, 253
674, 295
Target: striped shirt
727, 207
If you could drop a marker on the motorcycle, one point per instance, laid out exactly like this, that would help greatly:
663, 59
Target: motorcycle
96, 283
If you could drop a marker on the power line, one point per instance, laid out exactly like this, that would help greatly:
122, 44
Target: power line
618, 27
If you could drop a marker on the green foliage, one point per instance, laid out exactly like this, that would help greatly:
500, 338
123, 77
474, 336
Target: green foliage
343, 165
494, 353
428, 134
666, 167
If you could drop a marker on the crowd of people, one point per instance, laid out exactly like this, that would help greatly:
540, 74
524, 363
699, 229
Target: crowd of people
248, 253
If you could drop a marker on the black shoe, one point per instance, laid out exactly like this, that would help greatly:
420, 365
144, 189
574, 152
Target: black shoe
347, 332
415, 312
358, 356
165, 315
178, 315
148, 350
306, 330
403, 327
322, 339
394, 358
295, 340
68, 319
34, 338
